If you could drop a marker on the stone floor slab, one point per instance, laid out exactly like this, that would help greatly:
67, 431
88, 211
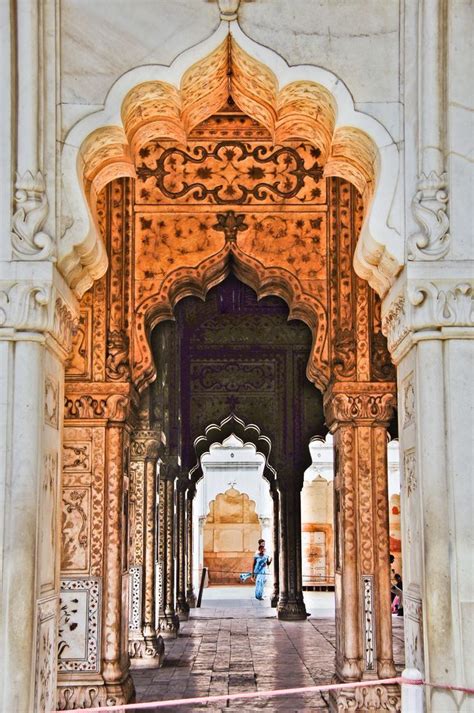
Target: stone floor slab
233, 645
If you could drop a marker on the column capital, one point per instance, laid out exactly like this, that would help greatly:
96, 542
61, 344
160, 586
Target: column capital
144, 444
99, 400
429, 301
169, 469
360, 403
35, 298
183, 482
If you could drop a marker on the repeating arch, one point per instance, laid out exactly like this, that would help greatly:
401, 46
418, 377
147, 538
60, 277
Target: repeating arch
247, 433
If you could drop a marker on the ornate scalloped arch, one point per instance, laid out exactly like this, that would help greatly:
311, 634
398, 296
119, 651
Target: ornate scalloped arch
247, 433
197, 281
303, 102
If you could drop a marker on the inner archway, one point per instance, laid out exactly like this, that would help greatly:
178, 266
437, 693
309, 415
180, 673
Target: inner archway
233, 510
235, 352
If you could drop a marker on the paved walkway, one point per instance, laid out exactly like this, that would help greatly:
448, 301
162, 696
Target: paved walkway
235, 643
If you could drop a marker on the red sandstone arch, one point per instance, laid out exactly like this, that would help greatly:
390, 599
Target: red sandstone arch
197, 281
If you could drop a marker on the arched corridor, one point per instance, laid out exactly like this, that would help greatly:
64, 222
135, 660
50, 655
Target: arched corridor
232, 238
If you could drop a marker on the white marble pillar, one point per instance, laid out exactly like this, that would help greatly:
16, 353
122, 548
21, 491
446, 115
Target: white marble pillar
429, 324
31, 416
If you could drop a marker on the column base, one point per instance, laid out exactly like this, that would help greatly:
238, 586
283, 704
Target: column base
366, 699
85, 692
191, 599
292, 610
169, 625
182, 609
146, 652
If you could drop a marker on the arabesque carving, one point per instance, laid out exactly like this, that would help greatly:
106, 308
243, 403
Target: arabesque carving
117, 362
430, 210
29, 241
231, 172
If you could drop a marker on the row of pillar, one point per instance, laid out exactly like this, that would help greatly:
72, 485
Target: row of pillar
358, 415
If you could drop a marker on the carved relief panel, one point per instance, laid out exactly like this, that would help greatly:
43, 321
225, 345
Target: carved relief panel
82, 499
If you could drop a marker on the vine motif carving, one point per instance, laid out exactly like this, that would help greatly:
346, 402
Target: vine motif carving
51, 406
137, 496
369, 636
381, 503
28, 239
395, 324
74, 535
364, 456
76, 457
117, 365
345, 447
64, 324
429, 208
230, 376
408, 400
410, 472
231, 172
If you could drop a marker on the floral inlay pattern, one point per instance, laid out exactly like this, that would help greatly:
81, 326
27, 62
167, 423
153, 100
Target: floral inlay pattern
227, 172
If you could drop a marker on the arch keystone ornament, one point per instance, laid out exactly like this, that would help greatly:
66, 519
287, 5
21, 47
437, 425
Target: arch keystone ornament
302, 103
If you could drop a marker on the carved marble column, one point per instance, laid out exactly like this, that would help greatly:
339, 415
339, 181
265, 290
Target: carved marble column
290, 604
190, 594
276, 548
94, 484
114, 669
182, 606
161, 523
429, 323
36, 325
145, 648
170, 623
358, 415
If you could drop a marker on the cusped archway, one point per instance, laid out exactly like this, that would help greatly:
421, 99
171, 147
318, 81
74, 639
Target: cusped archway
306, 104
246, 433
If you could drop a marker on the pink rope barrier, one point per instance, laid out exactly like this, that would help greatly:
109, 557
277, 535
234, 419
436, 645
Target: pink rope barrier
147, 705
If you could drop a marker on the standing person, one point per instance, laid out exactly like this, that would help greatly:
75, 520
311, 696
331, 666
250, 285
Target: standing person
260, 571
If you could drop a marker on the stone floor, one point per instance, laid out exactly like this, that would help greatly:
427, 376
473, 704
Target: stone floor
234, 643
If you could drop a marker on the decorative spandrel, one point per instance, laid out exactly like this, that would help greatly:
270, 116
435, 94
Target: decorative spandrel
229, 172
